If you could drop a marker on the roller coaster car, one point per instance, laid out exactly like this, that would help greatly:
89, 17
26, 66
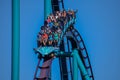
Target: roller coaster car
46, 50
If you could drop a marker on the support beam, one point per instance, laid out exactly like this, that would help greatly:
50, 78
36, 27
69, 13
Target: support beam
15, 39
47, 8
80, 65
75, 67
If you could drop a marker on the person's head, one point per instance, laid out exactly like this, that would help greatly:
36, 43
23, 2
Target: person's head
57, 12
42, 27
50, 32
64, 11
48, 17
45, 30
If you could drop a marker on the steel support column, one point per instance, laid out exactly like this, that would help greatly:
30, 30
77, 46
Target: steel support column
15, 39
75, 67
47, 8
81, 65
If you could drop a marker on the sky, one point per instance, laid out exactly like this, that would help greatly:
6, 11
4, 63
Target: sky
98, 22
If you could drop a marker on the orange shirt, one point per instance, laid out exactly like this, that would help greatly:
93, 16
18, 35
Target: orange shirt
45, 36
